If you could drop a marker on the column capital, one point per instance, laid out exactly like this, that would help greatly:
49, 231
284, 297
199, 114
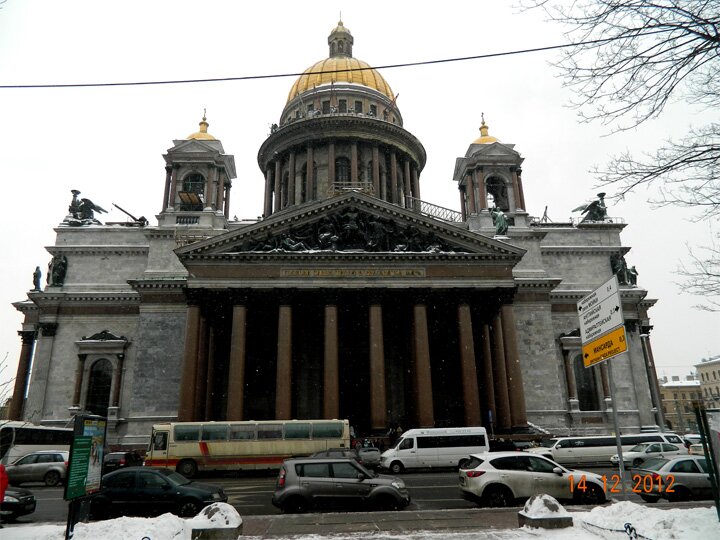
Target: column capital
27, 336
48, 329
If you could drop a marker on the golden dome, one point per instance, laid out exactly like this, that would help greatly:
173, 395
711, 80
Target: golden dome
202, 134
328, 70
484, 137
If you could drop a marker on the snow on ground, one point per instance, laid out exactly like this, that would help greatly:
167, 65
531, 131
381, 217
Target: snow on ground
653, 523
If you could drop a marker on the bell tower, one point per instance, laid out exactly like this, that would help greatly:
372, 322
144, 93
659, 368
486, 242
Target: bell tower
197, 182
489, 176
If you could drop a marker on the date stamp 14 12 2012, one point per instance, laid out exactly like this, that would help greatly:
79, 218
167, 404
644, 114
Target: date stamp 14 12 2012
642, 483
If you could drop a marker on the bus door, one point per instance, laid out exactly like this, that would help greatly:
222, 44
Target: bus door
159, 449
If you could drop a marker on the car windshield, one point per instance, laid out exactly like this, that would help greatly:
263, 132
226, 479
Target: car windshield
549, 443
639, 447
654, 464
175, 478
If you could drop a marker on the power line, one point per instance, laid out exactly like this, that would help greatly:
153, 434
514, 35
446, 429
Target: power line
281, 75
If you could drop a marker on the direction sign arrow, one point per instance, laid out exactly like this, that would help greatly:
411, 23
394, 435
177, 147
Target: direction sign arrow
600, 318
605, 347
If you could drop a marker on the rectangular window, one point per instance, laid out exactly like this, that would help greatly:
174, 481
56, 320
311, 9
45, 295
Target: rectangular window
327, 430
358, 107
343, 105
297, 431
310, 107
313, 470
269, 431
241, 432
373, 110
187, 433
214, 433
326, 107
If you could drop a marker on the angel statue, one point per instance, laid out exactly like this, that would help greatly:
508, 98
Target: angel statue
594, 211
88, 209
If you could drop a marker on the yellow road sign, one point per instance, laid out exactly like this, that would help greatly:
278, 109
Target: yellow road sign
604, 347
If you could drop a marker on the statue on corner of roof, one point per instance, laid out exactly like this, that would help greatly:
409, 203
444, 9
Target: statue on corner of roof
37, 278
594, 211
500, 221
57, 268
620, 269
82, 211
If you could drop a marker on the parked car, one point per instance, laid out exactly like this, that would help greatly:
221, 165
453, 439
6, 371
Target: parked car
501, 478
49, 466
314, 482
696, 449
639, 453
350, 453
17, 502
690, 479
117, 460
369, 456
150, 490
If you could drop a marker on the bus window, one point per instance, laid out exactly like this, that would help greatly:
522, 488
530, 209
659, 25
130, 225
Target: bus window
327, 430
160, 440
297, 431
214, 433
187, 433
269, 431
242, 432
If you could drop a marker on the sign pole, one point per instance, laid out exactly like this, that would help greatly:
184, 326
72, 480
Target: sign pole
618, 442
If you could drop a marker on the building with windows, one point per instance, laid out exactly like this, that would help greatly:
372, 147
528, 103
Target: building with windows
679, 398
352, 297
708, 371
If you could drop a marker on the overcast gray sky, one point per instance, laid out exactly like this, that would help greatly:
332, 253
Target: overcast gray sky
108, 142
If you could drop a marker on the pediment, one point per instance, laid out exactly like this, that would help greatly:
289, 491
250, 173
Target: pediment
351, 224
195, 146
492, 149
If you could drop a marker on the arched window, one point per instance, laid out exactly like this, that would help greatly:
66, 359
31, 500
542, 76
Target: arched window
342, 170
99, 383
586, 386
498, 190
193, 191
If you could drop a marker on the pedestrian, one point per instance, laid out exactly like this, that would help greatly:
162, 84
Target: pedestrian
3, 487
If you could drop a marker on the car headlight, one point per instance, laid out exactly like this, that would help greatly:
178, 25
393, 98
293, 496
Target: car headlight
11, 499
398, 485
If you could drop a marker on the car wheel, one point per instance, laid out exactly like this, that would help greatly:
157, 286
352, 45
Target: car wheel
188, 508
497, 496
649, 499
52, 478
295, 505
679, 494
396, 467
591, 496
187, 468
386, 502
637, 462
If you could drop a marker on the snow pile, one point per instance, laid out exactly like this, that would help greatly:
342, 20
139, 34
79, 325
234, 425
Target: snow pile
543, 506
672, 524
216, 516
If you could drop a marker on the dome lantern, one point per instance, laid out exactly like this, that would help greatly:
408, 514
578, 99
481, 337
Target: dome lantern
202, 134
484, 137
340, 41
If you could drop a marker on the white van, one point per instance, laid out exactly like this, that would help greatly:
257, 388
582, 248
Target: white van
434, 447
570, 450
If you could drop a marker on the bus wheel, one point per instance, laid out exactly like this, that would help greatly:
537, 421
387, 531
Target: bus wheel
187, 468
396, 467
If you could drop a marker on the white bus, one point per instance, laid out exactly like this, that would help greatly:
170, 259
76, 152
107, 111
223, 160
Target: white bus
189, 447
434, 447
20, 438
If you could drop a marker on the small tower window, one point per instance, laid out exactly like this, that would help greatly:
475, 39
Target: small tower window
343, 105
358, 107
194, 183
498, 190
326, 107
373, 110
193, 189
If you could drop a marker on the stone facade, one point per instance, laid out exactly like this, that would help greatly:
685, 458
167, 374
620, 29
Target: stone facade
351, 297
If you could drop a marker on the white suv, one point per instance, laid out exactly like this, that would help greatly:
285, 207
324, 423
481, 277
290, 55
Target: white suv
499, 478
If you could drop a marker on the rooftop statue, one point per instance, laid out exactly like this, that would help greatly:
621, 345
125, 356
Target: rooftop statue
82, 211
594, 211
500, 221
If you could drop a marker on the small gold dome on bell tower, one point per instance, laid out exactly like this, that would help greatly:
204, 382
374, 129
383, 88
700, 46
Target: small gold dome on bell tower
484, 137
202, 134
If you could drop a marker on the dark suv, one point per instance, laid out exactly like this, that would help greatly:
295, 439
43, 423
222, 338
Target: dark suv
305, 483
118, 460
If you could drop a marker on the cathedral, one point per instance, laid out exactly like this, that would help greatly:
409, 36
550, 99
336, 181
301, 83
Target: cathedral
351, 297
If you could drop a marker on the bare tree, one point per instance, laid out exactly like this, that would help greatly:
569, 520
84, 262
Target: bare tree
628, 61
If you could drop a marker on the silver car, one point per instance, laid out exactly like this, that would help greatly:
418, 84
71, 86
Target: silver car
49, 466
680, 478
340, 482
370, 456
